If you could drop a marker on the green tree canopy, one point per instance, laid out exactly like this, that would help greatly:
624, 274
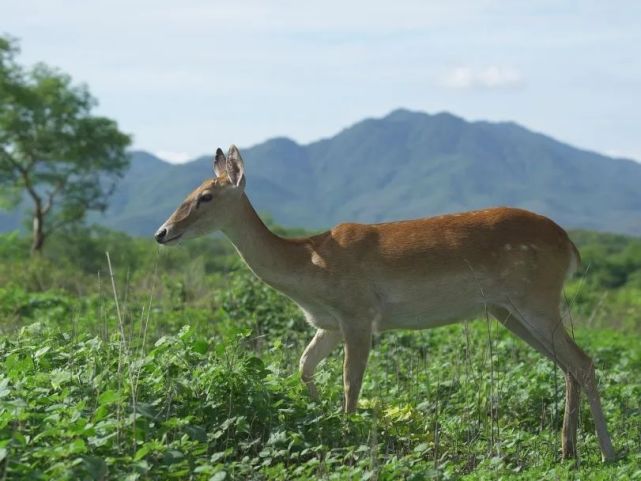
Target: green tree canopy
53, 151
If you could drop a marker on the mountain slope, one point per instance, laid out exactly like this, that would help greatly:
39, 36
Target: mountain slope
404, 165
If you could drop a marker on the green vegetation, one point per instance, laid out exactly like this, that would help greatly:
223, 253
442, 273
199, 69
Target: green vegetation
194, 376
53, 151
607, 292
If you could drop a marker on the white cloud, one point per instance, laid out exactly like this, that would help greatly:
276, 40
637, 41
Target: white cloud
490, 77
174, 157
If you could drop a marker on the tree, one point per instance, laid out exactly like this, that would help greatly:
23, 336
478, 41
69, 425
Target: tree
53, 151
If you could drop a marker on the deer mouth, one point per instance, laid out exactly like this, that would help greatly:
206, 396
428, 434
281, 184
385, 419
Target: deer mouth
172, 239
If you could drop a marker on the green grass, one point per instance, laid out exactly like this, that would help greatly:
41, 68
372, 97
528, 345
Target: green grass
197, 377
180, 391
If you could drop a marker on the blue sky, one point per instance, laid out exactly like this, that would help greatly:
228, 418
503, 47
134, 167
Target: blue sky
184, 77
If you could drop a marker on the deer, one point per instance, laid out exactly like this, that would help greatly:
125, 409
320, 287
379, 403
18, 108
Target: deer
358, 279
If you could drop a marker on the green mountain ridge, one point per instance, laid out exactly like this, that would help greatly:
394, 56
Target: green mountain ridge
404, 165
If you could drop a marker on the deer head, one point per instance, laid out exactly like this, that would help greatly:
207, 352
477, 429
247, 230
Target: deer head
210, 206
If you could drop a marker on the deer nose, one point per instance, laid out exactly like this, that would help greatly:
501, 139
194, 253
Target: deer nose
160, 234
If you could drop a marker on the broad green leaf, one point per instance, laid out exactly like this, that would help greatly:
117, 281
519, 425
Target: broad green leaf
108, 397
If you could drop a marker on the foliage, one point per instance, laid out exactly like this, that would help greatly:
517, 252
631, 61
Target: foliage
610, 260
606, 292
196, 378
213, 403
52, 149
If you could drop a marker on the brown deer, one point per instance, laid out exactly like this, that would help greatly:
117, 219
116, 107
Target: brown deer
356, 279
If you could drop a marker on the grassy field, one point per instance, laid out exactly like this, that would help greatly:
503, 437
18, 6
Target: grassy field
190, 372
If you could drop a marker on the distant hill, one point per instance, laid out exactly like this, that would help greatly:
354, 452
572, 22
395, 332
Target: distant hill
404, 165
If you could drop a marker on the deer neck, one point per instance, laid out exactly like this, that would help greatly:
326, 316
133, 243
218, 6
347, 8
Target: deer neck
274, 259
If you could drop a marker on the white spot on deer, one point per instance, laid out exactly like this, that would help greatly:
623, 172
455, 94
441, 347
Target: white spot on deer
507, 247
523, 247
317, 260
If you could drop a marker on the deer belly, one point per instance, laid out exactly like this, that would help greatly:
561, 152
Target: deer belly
429, 306
404, 317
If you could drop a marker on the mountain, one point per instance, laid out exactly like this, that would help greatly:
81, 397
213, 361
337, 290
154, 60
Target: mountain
404, 165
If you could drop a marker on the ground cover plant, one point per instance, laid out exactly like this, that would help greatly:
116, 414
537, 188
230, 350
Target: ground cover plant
189, 371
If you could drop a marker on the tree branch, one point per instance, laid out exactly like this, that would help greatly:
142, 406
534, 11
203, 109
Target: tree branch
50, 196
24, 173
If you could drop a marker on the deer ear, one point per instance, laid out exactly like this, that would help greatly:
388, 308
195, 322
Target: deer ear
220, 163
235, 167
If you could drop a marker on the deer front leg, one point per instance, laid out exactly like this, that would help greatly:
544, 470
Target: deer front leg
318, 349
358, 340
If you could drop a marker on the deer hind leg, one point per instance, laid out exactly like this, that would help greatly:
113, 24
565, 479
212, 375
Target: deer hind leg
548, 330
318, 349
572, 393
581, 367
571, 416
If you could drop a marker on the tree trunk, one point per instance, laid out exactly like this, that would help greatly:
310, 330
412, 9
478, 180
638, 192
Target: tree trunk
38, 236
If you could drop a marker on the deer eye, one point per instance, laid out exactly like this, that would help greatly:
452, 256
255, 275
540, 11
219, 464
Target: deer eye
205, 198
